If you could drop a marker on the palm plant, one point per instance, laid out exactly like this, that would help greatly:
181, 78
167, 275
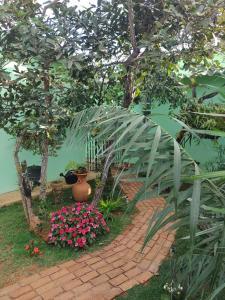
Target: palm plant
165, 169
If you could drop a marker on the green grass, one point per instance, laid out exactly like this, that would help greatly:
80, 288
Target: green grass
14, 235
153, 289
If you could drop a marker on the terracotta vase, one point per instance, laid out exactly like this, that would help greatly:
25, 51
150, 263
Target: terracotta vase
81, 189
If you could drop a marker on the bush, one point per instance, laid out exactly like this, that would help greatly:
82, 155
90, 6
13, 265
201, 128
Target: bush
108, 206
76, 227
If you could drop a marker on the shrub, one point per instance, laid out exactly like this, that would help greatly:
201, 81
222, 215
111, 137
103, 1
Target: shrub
32, 248
76, 227
110, 205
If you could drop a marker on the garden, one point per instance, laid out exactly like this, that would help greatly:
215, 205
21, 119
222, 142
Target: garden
112, 122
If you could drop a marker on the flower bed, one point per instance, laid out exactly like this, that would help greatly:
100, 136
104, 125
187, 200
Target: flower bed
76, 227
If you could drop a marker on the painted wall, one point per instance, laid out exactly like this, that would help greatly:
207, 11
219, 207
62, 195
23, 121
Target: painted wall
8, 179
202, 152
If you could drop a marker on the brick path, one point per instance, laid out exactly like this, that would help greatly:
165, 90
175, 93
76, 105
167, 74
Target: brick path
105, 273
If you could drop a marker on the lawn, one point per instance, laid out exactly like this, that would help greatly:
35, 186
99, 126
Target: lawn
14, 235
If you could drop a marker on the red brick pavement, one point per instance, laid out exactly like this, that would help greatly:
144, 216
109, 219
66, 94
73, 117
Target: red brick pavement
106, 273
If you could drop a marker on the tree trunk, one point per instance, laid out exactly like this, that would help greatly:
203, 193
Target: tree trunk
25, 188
100, 188
45, 143
44, 166
128, 78
128, 88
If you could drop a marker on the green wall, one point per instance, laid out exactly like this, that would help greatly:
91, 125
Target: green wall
56, 165
202, 152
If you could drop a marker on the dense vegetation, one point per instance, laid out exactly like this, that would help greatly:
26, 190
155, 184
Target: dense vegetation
66, 60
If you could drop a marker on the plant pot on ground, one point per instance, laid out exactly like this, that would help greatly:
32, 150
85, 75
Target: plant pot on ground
81, 189
34, 174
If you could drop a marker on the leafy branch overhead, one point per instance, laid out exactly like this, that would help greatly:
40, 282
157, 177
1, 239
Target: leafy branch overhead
165, 169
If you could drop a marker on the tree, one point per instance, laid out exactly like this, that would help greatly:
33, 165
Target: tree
34, 104
193, 199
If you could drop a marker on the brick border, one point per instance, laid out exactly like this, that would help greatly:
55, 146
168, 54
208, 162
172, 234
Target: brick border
106, 273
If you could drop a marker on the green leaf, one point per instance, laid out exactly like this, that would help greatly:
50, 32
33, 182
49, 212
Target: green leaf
177, 168
195, 206
153, 151
216, 292
213, 209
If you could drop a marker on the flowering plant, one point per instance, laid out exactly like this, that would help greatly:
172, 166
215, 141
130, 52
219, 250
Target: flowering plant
175, 290
32, 249
76, 227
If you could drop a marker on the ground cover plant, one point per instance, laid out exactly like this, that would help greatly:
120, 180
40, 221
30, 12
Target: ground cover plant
77, 226
16, 261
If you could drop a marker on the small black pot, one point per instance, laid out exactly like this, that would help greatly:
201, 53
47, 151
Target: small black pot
70, 177
34, 173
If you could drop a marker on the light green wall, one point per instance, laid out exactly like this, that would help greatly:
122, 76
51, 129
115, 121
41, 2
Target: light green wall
56, 165
201, 152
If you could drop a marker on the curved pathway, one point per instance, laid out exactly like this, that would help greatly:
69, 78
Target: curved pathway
106, 273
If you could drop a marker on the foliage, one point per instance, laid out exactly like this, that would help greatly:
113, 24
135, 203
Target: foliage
16, 234
169, 172
201, 109
110, 205
76, 227
174, 290
189, 115
72, 165
218, 163
32, 248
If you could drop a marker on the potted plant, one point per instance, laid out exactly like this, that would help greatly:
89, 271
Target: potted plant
81, 189
70, 176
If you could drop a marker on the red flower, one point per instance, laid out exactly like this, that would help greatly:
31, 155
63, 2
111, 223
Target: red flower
36, 250
71, 225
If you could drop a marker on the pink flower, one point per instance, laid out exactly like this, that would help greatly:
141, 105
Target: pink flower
103, 222
77, 222
27, 247
83, 231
